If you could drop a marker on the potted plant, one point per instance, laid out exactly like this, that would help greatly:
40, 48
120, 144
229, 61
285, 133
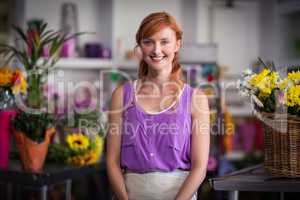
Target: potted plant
33, 125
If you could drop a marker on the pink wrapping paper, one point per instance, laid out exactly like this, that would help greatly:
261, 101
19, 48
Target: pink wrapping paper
5, 117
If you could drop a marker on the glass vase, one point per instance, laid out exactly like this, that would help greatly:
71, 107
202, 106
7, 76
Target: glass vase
7, 100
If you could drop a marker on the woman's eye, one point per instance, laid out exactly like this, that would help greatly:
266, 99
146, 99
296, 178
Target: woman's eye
164, 42
147, 42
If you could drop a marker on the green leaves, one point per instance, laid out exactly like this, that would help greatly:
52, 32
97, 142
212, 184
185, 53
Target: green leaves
33, 125
37, 42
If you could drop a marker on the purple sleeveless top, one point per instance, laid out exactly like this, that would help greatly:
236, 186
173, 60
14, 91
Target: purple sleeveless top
156, 142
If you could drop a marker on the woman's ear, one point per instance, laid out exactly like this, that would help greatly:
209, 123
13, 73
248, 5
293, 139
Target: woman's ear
178, 45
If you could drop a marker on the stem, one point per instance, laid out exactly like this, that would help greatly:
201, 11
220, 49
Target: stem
35, 91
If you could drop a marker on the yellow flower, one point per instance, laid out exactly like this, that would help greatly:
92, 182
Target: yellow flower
284, 84
292, 96
258, 78
20, 84
88, 155
77, 141
99, 141
294, 76
6, 76
265, 82
76, 160
91, 157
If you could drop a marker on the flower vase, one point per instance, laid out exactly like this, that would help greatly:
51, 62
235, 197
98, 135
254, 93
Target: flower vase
32, 153
5, 117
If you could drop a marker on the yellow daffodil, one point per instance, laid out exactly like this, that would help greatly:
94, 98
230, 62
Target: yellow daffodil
294, 76
292, 96
266, 81
284, 84
77, 141
258, 78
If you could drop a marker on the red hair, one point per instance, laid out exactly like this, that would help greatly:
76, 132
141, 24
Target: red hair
149, 26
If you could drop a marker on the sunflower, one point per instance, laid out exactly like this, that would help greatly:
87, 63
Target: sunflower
77, 141
91, 157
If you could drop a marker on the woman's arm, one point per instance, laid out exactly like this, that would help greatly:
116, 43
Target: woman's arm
199, 146
114, 145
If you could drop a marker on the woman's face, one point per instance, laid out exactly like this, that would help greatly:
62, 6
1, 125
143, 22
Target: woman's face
159, 49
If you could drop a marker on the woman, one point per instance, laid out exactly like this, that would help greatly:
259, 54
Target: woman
158, 140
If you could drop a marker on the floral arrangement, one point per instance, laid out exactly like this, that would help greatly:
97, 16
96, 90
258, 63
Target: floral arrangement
12, 82
13, 79
79, 149
268, 92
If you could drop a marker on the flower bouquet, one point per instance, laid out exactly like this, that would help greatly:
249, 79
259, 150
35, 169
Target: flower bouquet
270, 93
276, 102
78, 149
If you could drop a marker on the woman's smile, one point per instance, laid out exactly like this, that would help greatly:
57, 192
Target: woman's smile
157, 58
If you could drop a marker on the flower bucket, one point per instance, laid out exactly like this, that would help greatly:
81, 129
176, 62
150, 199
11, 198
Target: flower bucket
32, 153
5, 117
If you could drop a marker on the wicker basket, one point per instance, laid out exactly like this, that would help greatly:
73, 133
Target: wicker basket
281, 144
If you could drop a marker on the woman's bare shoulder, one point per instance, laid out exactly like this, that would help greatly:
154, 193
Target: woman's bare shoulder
199, 101
117, 95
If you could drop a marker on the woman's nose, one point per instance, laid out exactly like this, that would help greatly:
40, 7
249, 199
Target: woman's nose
157, 49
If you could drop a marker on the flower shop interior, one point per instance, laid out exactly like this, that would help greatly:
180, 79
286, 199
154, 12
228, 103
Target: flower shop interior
225, 44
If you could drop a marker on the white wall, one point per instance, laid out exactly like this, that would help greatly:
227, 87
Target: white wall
90, 18
203, 20
236, 32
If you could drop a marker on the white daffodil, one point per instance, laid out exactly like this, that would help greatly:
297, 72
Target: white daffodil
257, 101
248, 72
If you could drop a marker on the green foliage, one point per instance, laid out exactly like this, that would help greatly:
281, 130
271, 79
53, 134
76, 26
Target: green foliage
33, 125
90, 120
58, 153
37, 39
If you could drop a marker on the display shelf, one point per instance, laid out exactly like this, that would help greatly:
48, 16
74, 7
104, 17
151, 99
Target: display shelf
99, 63
95, 63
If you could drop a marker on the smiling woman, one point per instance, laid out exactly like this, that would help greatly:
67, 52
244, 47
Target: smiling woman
158, 137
